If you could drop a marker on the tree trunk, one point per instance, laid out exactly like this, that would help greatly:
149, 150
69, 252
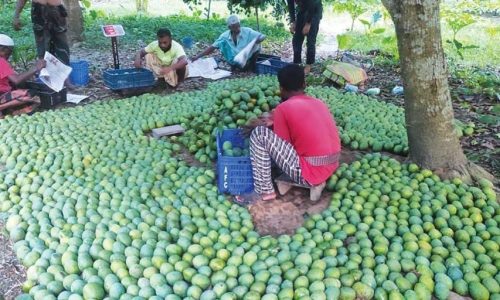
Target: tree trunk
432, 138
75, 21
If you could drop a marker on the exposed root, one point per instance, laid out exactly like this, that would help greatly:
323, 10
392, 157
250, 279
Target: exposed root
468, 173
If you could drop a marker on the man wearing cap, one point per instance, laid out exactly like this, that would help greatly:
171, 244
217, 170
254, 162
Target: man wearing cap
15, 101
165, 58
49, 26
233, 41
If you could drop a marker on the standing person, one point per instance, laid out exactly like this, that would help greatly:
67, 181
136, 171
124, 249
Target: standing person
49, 25
232, 41
14, 101
165, 58
304, 141
305, 23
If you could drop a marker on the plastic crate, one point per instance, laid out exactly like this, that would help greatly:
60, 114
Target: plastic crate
272, 69
234, 174
263, 56
128, 78
48, 97
80, 74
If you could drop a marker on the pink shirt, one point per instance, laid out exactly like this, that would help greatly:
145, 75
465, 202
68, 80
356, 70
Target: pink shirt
5, 72
308, 125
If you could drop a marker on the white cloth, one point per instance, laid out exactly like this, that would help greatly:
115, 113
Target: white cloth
242, 57
206, 68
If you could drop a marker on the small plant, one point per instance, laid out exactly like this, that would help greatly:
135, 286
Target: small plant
355, 8
370, 28
24, 53
457, 21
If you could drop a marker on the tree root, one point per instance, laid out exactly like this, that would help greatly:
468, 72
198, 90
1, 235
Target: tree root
468, 173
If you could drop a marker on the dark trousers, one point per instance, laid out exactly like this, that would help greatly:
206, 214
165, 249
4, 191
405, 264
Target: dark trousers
49, 27
298, 39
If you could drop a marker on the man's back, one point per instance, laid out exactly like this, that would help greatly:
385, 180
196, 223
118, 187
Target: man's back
308, 125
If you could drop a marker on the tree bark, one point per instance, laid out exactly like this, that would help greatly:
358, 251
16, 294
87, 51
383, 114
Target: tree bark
75, 21
429, 116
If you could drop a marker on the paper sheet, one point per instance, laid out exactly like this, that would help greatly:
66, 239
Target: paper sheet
206, 68
72, 98
55, 73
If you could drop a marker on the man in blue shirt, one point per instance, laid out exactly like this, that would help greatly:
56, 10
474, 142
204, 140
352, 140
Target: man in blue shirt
233, 41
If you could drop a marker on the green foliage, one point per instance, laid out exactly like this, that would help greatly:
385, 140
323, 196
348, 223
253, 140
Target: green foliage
354, 8
24, 52
457, 21
141, 27
477, 81
385, 42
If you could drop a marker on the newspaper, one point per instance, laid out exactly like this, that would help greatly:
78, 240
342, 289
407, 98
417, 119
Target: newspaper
55, 73
206, 68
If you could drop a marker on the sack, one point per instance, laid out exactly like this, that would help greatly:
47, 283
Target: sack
342, 73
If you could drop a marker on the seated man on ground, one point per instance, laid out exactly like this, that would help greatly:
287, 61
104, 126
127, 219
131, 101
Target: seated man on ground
304, 141
165, 58
14, 101
233, 41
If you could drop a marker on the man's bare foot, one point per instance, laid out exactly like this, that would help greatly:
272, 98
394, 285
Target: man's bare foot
307, 69
247, 199
268, 197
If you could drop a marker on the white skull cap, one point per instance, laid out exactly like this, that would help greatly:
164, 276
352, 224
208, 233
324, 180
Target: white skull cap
5, 40
233, 19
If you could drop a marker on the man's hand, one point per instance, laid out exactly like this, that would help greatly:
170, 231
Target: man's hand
292, 27
138, 63
306, 29
16, 23
166, 70
40, 64
265, 120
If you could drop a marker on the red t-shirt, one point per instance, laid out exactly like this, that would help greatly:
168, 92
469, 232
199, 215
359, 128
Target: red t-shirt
308, 125
5, 72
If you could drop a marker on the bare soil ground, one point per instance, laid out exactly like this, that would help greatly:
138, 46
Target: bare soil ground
12, 273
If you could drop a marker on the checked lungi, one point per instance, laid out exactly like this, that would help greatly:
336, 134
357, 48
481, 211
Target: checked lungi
265, 147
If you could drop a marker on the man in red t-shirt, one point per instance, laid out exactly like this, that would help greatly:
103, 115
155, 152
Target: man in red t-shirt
304, 142
9, 98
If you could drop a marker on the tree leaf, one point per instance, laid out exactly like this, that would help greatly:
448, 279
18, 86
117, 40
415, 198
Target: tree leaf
376, 16
378, 30
365, 22
457, 44
86, 3
470, 47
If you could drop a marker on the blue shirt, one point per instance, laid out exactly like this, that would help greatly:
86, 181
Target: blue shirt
227, 46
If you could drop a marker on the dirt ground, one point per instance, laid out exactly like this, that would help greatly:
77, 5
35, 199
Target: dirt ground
12, 273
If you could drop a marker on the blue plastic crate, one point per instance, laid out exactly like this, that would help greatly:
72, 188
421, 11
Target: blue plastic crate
128, 78
80, 72
234, 174
263, 56
272, 69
